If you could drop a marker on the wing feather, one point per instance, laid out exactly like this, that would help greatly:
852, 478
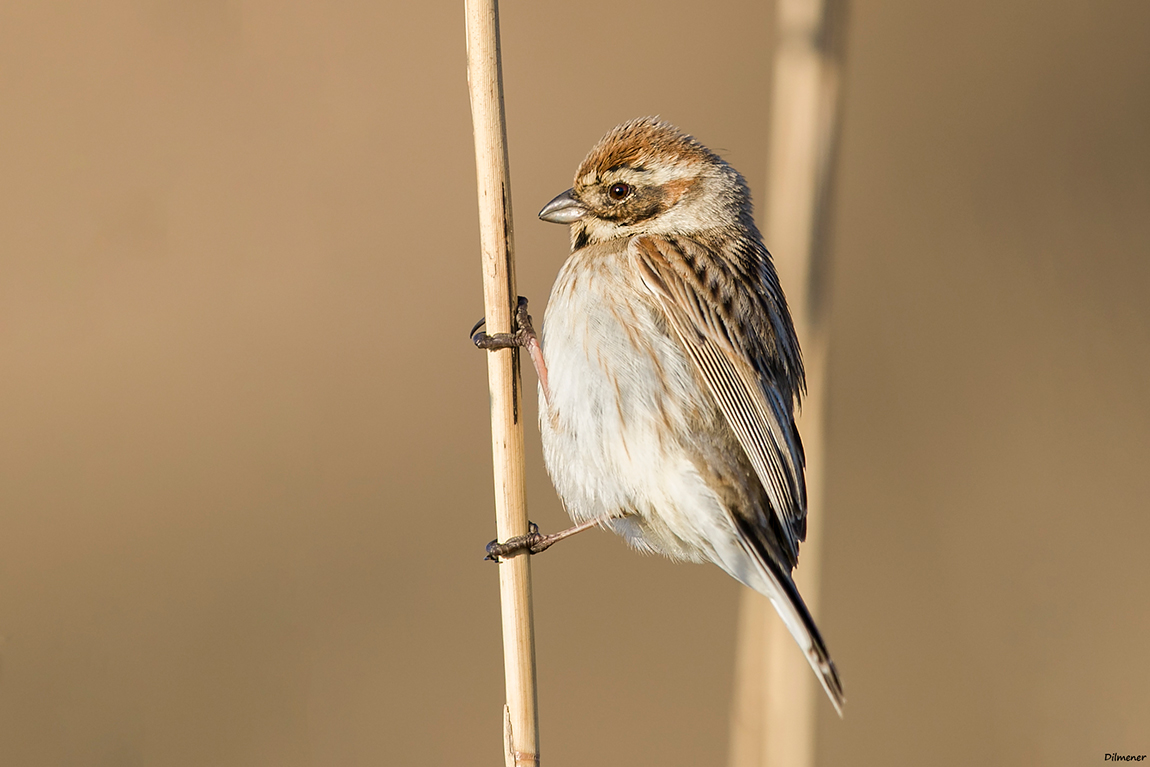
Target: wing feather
755, 393
732, 360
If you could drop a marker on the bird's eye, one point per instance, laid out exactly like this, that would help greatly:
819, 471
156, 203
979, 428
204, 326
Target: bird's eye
619, 191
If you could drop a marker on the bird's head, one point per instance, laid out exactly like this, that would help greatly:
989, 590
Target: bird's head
648, 177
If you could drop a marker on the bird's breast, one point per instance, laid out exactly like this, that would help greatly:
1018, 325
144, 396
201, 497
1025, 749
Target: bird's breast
623, 395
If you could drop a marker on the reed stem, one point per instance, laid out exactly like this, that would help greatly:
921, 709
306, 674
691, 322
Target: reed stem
773, 722
485, 82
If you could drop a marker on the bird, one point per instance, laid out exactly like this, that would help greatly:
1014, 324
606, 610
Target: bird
669, 371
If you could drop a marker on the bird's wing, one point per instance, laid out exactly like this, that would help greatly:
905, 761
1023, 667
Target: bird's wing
711, 317
734, 336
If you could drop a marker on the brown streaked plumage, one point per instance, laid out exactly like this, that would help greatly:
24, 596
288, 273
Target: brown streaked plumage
674, 369
641, 141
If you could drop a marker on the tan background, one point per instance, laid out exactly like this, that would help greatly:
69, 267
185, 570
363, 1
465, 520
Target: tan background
244, 468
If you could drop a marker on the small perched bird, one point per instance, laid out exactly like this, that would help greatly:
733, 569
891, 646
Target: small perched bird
669, 370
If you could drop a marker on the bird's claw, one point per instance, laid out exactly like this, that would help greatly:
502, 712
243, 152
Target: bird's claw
524, 331
533, 542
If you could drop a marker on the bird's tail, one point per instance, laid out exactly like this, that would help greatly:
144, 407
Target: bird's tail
784, 595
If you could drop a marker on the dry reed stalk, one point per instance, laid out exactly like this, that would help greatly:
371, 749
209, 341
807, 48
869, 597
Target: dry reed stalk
773, 723
485, 81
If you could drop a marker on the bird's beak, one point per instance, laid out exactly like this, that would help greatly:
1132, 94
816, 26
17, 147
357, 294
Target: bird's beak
564, 209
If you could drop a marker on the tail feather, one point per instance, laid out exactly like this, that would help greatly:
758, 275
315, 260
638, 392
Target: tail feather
789, 604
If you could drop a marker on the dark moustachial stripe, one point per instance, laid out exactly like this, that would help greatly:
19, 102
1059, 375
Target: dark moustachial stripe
582, 239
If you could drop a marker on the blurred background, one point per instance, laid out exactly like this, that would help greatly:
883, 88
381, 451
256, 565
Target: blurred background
244, 448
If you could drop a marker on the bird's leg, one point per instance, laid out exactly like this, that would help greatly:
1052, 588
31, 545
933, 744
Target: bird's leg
524, 337
535, 542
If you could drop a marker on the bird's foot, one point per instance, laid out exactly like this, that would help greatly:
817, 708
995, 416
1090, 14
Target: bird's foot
533, 542
523, 336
